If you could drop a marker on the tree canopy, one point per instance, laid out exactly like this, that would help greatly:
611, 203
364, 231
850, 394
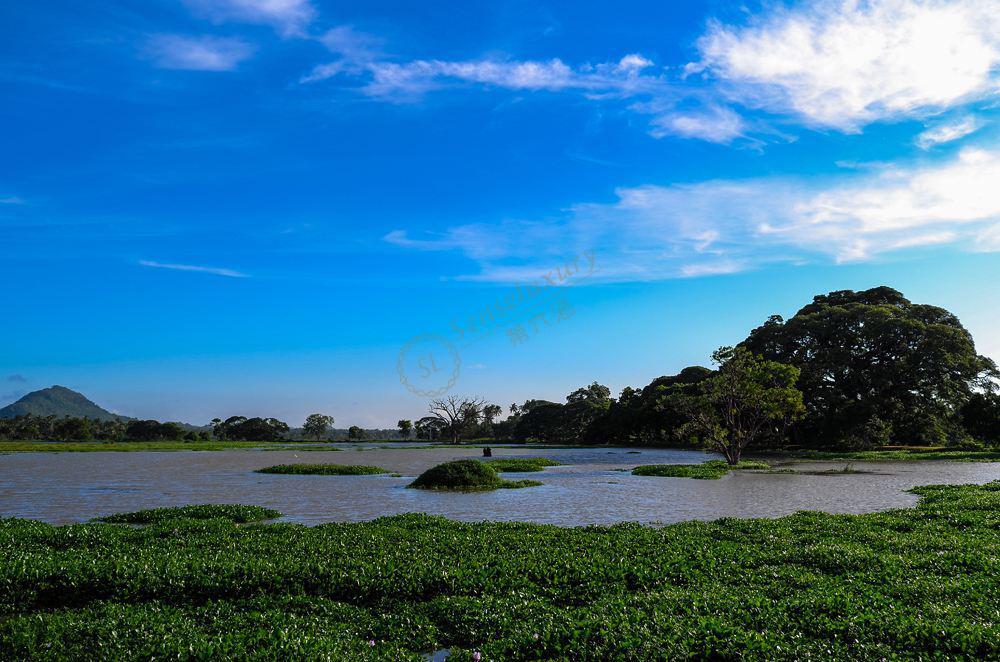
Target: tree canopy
873, 362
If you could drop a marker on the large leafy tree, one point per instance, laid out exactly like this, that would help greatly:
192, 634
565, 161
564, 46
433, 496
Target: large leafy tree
241, 428
317, 426
875, 365
749, 398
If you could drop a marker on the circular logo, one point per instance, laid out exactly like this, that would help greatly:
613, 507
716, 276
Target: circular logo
428, 365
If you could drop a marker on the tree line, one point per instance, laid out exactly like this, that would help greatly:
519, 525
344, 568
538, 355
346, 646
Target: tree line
851, 370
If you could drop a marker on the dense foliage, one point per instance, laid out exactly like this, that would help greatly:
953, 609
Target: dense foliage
241, 428
922, 583
875, 367
465, 476
29, 427
710, 470
323, 469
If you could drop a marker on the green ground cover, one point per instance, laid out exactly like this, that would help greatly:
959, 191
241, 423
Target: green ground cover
710, 470
323, 470
904, 584
466, 476
521, 464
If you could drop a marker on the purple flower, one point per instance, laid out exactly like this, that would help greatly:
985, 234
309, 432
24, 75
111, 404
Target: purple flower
476, 656
371, 642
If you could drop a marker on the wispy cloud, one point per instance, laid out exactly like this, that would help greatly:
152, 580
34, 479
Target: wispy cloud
11, 200
197, 53
828, 64
230, 273
288, 17
948, 131
846, 63
719, 226
17, 379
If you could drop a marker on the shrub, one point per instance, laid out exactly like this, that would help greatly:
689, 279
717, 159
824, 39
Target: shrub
324, 469
465, 476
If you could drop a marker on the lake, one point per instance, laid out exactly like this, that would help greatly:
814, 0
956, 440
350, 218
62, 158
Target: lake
591, 489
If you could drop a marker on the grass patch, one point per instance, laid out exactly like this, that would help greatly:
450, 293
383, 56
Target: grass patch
466, 476
521, 464
234, 513
904, 584
323, 470
710, 470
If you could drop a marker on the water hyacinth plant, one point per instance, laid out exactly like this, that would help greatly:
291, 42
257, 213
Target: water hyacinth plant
323, 470
705, 471
910, 583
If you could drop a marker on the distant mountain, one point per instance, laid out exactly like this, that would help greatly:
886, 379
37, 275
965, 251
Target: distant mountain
57, 401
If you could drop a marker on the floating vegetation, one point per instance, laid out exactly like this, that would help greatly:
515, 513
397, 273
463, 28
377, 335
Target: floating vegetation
915, 583
323, 470
518, 464
705, 471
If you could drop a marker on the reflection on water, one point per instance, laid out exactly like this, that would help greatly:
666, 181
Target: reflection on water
591, 489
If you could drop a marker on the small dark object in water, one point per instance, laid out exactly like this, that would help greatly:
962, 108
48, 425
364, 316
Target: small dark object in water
487, 452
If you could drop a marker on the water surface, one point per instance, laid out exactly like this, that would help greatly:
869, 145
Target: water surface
591, 489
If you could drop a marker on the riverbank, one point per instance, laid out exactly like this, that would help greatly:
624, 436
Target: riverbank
909, 583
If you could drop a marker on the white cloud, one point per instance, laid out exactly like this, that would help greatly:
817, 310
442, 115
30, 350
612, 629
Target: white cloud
202, 53
846, 63
948, 131
715, 124
230, 273
289, 17
717, 227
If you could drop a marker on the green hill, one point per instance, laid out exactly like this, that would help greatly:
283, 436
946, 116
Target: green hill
57, 401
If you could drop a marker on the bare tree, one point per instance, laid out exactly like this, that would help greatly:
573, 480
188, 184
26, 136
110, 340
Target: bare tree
456, 413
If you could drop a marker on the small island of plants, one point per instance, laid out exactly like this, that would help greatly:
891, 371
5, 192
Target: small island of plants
710, 470
466, 476
522, 464
323, 470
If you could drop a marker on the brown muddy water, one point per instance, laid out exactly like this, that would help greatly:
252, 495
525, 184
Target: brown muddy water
590, 489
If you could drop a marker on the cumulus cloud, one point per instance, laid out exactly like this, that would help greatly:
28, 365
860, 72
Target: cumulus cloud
230, 273
726, 226
948, 131
198, 53
289, 17
846, 63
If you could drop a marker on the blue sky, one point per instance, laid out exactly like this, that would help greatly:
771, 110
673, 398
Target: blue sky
213, 207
